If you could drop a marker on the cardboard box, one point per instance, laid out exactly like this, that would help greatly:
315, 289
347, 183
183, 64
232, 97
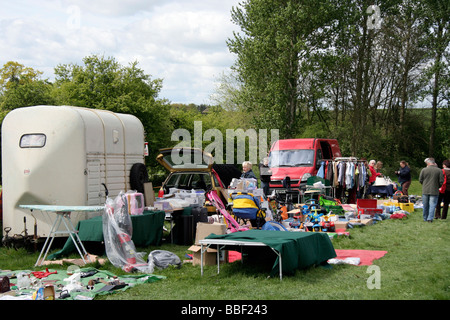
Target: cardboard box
341, 225
209, 256
205, 229
367, 222
149, 194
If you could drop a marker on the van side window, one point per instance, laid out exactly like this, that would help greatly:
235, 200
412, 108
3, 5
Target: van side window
33, 140
319, 155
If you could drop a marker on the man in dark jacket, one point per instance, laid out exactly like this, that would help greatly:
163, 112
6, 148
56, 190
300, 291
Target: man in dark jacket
431, 178
264, 175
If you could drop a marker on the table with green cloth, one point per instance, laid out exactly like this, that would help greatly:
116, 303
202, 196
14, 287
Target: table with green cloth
298, 250
147, 230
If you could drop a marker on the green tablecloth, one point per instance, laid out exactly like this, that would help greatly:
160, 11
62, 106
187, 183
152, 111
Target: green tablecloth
147, 230
298, 250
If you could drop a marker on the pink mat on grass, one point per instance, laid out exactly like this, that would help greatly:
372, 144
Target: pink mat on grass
233, 256
366, 256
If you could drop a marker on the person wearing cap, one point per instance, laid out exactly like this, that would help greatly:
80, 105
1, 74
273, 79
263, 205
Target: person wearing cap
431, 178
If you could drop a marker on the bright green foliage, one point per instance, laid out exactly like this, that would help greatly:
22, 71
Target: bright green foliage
347, 70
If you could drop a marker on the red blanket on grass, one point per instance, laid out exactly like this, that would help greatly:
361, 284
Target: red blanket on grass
366, 256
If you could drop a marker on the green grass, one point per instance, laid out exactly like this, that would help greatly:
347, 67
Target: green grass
416, 267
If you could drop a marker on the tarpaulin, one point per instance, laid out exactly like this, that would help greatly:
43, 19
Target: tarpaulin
366, 256
299, 250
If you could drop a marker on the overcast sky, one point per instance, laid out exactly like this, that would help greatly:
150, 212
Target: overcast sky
182, 42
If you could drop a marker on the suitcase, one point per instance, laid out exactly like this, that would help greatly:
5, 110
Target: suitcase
4, 284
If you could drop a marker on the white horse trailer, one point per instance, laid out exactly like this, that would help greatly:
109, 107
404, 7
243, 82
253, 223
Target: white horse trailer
63, 155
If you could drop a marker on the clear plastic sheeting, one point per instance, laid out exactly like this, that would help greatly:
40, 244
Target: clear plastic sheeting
117, 233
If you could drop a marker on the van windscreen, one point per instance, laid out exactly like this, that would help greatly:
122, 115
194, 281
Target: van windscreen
291, 158
33, 140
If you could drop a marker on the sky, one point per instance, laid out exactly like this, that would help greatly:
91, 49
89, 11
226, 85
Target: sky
182, 42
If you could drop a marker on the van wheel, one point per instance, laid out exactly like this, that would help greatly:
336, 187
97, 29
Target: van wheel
138, 176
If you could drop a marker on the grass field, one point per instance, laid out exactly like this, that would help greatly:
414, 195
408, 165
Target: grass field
416, 267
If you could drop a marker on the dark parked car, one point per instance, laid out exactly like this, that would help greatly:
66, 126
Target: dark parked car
194, 169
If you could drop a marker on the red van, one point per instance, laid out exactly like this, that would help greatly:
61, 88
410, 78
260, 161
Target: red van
299, 159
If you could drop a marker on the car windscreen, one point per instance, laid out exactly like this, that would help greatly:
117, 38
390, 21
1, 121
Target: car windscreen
291, 158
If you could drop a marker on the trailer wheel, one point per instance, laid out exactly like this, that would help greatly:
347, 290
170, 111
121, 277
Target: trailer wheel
138, 176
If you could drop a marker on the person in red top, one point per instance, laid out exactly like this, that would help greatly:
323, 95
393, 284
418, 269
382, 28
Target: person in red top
374, 173
444, 192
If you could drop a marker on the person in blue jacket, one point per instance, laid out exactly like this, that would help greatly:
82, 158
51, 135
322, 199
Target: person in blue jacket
404, 176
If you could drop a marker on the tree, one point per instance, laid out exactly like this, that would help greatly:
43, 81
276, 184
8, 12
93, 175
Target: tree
273, 43
22, 86
437, 26
14, 73
103, 83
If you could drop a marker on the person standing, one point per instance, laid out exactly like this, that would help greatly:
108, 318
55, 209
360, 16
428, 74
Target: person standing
373, 172
431, 178
404, 177
264, 175
444, 192
379, 167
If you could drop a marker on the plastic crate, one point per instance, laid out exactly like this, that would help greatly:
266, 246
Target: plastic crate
366, 203
390, 203
369, 211
406, 206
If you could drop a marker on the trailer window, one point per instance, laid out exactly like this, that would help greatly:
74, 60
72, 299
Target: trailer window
35, 140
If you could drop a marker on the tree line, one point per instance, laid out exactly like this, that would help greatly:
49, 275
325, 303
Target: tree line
103, 83
373, 74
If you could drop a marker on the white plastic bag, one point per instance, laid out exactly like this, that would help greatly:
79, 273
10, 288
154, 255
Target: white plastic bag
353, 261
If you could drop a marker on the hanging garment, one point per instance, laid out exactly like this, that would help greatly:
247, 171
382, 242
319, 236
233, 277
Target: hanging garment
363, 175
341, 175
349, 175
321, 172
335, 174
329, 171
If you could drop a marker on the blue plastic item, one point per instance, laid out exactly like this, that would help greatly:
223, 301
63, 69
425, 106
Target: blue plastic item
273, 226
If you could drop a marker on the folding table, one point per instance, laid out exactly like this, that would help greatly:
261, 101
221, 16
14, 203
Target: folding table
62, 215
223, 242
297, 250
